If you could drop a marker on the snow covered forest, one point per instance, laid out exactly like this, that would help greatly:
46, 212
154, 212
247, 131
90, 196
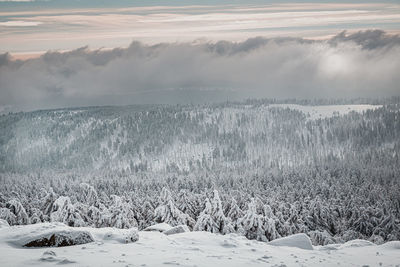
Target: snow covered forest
261, 169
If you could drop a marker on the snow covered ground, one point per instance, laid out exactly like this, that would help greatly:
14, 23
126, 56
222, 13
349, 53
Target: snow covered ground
186, 249
326, 111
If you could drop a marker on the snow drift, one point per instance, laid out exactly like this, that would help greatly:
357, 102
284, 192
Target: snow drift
297, 241
187, 249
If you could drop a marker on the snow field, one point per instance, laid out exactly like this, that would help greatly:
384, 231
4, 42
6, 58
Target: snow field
326, 111
189, 249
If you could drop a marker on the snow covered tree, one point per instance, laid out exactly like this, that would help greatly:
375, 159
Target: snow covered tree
318, 215
252, 223
321, 238
94, 215
63, 211
235, 213
120, 214
147, 212
19, 211
187, 203
36, 216
270, 229
205, 222
87, 194
167, 211
7, 215
212, 219
48, 200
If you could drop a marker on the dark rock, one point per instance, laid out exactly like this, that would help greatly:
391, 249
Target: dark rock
62, 239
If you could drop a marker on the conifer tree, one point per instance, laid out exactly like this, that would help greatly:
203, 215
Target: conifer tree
167, 211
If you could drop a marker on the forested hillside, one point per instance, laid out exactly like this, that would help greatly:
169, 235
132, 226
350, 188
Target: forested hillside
261, 170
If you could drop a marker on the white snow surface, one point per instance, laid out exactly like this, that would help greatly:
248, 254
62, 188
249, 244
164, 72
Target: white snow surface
326, 111
4, 224
297, 241
187, 249
177, 230
160, 227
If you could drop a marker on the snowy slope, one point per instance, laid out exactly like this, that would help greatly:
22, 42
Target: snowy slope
181, 139
326, 111
187, 249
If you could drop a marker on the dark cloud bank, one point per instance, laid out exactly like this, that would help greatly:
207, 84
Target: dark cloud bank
364, 64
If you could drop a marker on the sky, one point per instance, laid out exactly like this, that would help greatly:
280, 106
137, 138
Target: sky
60, 53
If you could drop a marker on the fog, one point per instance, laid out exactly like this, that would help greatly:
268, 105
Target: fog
363, 64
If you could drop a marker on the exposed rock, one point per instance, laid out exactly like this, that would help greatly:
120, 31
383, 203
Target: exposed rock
61, 239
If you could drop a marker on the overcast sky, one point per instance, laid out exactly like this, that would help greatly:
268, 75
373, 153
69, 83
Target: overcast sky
194, 51
34, 27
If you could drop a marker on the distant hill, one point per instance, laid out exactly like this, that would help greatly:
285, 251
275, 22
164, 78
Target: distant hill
202, 137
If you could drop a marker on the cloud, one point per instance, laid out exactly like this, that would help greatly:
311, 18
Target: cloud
20, 23
116, 26
363, 64
370, 39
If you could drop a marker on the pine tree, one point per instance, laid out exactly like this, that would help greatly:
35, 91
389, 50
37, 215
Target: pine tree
212, 219
235, 213
87, 194
36, 216
186, 203
252, 223
19, 211
167, 211
95, 217
120, 214
147, 212
270, 229
63, 211
48, 200
8, 216
205, 222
